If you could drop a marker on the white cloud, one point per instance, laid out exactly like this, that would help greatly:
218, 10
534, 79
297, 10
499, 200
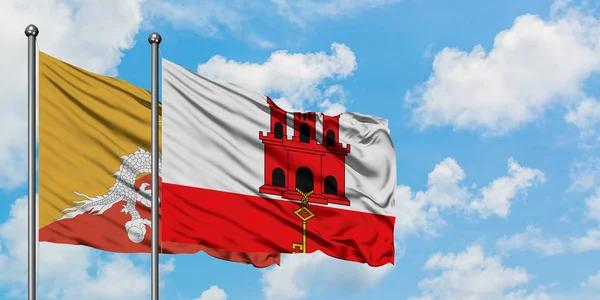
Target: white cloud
74, 31
532, 239
213, 293
303, 273
532, 66
301, 11
497, 196
589, 242
427, 53
66, 271
472, 275
524, 295
126, 281
420, 212
303, 85
588, 291
164, 269
203, 17
168, 267
585, 116
261, 42
593, 282
334, 100
585, 175
559, 6
331, 109
593, 205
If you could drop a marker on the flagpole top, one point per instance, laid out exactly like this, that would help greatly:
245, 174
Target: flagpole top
31, 30
154, 38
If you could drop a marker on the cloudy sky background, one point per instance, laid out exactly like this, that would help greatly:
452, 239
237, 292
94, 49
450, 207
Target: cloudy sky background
492, 106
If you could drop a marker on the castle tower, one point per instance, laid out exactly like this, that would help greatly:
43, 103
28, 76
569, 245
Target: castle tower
305, 126
275, 172
334, 162
331, 130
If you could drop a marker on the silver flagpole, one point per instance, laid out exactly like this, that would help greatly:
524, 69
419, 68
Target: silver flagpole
154, 40
31, 32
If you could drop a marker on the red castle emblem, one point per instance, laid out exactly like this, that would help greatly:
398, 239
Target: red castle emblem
302, 162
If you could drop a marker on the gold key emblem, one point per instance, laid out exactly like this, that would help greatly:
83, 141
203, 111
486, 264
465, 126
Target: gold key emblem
304, 214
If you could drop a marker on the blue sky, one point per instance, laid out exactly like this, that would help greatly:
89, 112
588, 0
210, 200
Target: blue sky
492, 107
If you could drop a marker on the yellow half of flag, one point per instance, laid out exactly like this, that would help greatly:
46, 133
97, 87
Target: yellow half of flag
87, 123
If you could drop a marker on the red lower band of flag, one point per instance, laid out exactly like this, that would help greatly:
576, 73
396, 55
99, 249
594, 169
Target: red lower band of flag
107, 232
246, 223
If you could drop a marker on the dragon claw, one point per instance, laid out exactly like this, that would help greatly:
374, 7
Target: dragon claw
136, 229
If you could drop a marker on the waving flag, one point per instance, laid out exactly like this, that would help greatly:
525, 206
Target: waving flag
242, 174
94, 167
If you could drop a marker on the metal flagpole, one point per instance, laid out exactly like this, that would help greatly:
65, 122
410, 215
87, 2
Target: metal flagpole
154, 39
31, 32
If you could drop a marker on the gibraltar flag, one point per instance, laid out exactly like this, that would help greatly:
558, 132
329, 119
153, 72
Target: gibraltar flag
242, 174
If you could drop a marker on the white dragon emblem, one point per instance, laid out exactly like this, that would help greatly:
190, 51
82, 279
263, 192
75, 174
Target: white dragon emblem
123, 190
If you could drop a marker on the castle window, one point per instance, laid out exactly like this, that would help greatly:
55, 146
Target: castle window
304, 133
278, 130
278, 177
330, 185
305, 180
330, 138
